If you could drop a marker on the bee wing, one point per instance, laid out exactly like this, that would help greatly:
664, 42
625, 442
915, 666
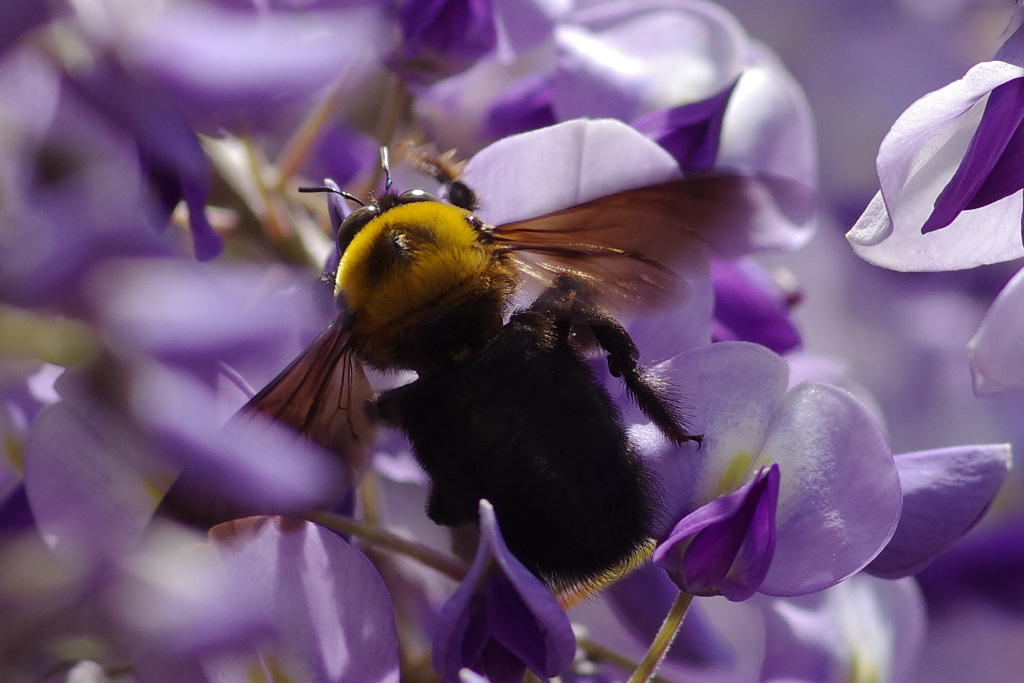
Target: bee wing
324, 396
636, 246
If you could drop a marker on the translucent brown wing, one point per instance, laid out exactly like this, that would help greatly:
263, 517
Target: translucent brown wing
324, 396
638, 246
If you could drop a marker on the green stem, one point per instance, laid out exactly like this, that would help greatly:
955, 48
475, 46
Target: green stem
662, 641
380, 538
601, 653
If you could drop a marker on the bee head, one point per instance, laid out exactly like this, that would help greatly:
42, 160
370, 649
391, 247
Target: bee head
412, 264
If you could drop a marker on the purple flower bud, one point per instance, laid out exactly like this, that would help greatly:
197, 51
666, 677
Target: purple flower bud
725, 547
690, 132
501, 620
751, 306
444, 37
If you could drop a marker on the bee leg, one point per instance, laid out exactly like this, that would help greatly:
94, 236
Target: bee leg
569, 301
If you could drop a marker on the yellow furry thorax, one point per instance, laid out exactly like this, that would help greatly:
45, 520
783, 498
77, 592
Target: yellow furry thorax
409, 259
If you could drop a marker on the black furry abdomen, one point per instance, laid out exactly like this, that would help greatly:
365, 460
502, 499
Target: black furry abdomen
524, 423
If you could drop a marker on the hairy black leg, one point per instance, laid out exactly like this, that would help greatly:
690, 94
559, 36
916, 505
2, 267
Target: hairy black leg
569, 300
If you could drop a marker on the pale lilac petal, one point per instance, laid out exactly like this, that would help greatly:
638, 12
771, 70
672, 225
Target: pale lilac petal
839, 498
945, 493
188, 315
916, 160
333, 614
733, 391
215, 59
566, 164
768, 130
662, 334
997, 349
863, 624
626, 59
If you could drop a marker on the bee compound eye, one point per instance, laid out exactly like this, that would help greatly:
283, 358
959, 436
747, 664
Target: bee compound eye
355, 222
410, 196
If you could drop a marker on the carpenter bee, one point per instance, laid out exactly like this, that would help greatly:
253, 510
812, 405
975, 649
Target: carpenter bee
505, 405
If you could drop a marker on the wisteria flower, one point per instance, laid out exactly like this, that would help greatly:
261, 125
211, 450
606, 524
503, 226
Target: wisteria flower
686, 73
949, 172
501, 620
668, 68
862, 629
789, 494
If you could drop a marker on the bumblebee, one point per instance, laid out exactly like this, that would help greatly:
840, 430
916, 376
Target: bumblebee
505, 405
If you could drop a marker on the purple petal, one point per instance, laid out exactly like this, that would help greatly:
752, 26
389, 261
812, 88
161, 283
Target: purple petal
945, 493
197, 317
689, 132
341, 154
256, 463
986, 564
169, 150
840, 499
18, 17
525, 24
15, 512
85, 482
991, 167
470, 633
751, 306
334, 617
73, 169
726, 546
768, 131
997, 349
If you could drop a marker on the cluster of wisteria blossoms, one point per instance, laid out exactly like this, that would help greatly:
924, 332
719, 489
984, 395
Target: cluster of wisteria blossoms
851, 513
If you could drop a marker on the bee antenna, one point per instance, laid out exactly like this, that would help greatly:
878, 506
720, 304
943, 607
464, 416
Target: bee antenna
333, 190
385, 164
